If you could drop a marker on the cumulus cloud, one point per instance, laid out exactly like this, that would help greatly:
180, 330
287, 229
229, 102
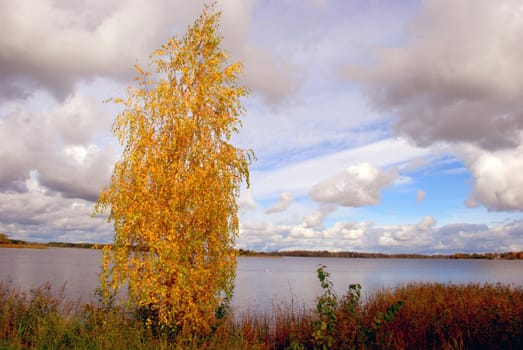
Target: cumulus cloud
301, 176
448, 239
496, 183
316, 218
285, 201
262, 236
59, 146
272, 77
246, 201
422, 237
408, 235
41, 215
459, 77
426, 237
459, 80
359, 185
276, 237
52, 45
348, 231
420, 196
479, 237
426, 223
302, 232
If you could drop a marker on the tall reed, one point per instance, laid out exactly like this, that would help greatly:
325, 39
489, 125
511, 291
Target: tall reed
412, 316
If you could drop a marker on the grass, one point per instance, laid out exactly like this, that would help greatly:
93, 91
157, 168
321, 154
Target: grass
439, 316
413, 316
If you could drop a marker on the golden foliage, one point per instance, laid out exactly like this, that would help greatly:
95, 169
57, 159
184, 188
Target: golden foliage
172, 196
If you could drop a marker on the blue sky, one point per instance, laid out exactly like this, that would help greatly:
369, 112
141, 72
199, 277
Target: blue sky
378, 126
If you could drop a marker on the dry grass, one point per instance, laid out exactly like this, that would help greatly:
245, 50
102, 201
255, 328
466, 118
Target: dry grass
432, 316
439, 316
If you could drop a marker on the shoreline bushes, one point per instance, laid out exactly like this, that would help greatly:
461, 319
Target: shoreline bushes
412, 316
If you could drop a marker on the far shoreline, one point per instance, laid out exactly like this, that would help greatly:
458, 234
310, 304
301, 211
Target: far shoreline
294, 253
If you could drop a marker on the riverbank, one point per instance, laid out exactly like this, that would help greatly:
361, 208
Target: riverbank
6, 242
24, 245
295, 253
413, 316
32, 245
367, 255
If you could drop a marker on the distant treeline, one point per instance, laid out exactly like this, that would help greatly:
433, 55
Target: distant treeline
326, 253
6, 242
17, 243
73, 245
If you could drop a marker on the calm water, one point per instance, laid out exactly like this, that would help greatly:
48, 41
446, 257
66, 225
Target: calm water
261, 282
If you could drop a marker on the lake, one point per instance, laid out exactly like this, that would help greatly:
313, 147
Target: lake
261, 282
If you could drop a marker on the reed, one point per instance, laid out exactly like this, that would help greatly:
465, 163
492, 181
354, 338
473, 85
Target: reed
412, 316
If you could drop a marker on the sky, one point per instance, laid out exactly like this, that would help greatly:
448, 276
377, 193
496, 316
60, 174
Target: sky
378, 126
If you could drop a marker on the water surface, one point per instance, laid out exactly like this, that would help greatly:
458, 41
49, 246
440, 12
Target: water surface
261, 282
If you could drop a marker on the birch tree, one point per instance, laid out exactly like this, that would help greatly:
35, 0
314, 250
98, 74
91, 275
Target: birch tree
173, 194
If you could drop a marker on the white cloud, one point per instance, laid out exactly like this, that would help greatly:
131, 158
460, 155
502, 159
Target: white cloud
408, 235
358, 185
422, 237
459, 80
79, 153
346, 231
480, 238
274, 78
459, 72
302, 232
300, 177
426, 223
285, 201
420, 196
317, 217
59, 145
496, 184
246, 201
75, 41
41, 216
78, 119
263, 236
54, 44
